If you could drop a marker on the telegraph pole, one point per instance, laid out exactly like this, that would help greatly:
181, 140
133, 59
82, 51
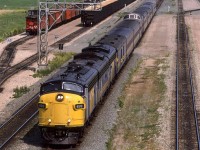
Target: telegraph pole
46, 9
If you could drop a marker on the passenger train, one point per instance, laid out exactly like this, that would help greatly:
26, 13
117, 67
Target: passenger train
68, 100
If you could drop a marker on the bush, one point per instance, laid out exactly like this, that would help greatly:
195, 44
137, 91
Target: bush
19, 91
57, 62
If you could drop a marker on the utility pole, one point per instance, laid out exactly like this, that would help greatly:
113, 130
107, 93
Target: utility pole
46, 9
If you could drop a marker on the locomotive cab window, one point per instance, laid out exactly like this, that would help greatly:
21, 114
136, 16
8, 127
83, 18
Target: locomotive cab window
50, 87
32, 12
72, 87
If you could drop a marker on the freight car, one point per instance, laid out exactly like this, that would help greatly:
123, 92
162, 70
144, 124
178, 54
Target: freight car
32, 19
89, 18
67, 101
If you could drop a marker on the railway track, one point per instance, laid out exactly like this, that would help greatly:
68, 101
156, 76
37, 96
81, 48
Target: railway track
10, 71
11, 127
70, 37
8, 53
17, 121
6, 72
187, 130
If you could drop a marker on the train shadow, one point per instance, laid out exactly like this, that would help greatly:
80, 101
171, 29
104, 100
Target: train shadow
79, 25
33, 137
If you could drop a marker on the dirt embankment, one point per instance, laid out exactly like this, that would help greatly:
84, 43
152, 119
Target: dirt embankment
5, 11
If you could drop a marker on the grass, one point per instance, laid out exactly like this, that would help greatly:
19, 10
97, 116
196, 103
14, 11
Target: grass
121, 100
18, 4
12, 23
137, 124
24, 4
122, 96
19, 91
57, 62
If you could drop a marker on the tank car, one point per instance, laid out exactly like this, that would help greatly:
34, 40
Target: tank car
68, 100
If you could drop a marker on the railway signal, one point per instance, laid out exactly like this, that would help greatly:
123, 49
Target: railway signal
46, 9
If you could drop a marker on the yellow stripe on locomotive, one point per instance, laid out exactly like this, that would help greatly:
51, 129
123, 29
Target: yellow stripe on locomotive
64, 109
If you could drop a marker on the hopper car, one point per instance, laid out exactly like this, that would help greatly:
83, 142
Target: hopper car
68, 100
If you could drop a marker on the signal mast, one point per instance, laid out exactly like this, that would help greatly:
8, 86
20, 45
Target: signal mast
46, 9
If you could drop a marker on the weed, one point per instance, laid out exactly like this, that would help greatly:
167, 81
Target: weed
138, 123
122, 97
19, 91
109, 143
121, 101
57, 62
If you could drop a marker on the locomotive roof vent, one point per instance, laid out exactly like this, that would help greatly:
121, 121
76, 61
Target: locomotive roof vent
90, 63
112, 43
78, 76
65, 74
83, 71
73, 67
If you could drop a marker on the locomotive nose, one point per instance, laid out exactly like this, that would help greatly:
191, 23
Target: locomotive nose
64, 109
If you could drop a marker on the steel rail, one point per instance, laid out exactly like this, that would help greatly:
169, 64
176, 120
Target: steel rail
8, 139
180, 12
5, 141
177, 86
193, 94
9, 52
10, 71
7, 73
12, 120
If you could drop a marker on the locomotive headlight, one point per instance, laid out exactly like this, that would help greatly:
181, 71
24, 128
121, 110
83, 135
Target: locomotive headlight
79, 106
59, 97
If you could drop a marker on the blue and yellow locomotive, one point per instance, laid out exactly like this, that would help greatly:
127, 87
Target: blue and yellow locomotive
68, 100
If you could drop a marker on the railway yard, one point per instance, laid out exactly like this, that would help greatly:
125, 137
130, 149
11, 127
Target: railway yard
154, 102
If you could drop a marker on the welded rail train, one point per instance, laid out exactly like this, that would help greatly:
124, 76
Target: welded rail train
89, 18
68, 100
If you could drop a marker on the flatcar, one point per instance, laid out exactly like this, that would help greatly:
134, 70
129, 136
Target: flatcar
68, 100
32, 19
